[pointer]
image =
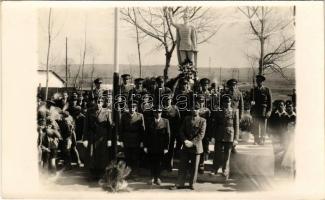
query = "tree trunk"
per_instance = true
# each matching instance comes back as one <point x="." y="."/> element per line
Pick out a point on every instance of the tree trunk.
<point x="167" y="65"/>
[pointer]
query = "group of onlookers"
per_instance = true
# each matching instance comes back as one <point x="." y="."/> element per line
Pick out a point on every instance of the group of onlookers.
<point x="159" y="119"/>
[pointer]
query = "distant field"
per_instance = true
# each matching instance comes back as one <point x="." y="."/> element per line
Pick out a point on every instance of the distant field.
<point x="279" y="86"/>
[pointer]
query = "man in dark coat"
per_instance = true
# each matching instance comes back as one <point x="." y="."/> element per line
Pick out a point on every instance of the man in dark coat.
<point x="160" y="91"/>
<point x="205" y="113"/>
<point x="157" y="136"/>
<point x="136" y="93"/>
<point x="237" y="101"/>
<point x="171" y="113"/>
<point x="131" y="135"/>
<point x="261" y="101"/>
<point x="191" y="133"/>
<point x="225" y="135"/>
<point x="97" y="138"/>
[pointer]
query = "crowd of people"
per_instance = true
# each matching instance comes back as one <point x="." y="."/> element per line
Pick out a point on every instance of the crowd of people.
<point x="160" y="119"/>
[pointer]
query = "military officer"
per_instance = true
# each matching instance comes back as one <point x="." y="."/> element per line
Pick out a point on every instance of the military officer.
<point x="138" y="91"/>
<point x="156" y="143"/>
<point x="160" y="91"/>
<point x="98" y="91"/>
<point x="191" y="133"/>
<point x="171" y="113"/>
<point x="183" y="98"/>
<point x="126" y="86"/>
<point x="205" y="113"/>
<point x="131" y="135"/>
<point x="225" y="135"/>
<point x="97" y="138"/>
<point x="237" y="101"/>
<point x="261" y="107"/>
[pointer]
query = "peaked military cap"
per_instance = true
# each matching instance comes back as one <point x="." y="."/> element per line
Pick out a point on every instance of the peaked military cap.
<point x="138" y="80"/>
<point x="126" y="76"/>
<point x="98" y="81"/>
<point x="232" y="82"/>
<point x="260" y="77"/>
<point x="204" y="81"/>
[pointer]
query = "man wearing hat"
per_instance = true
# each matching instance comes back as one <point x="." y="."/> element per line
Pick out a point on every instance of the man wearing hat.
<point x="131" y="135"/>
<point x="205" y="113"/>
<point x="156" y="143"/>
<point x="183" y="98"/>
<point x="126" y="86"/>
<point x="160" y="91"/>
<point x="237" y="101"/>
<point x="225" y="135"/>
<point x="138" y="91"/>
<point x="191" y="133"/>
<point x="98" y="91"/>
<point x="261" y="107"/>
<point x="171" y="113"/>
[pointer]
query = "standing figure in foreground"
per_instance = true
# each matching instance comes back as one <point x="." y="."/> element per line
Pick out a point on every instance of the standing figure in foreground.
<point x="261" y="101"/>
<point x="97" y="138"/>
<point x="157" y="136"/>
<point x="131" y="135"/>
<point x="191" y="133"/>
<point x="225" y="136"/>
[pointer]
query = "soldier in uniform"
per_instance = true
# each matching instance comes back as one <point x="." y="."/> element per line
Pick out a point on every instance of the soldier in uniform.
<point x="191" y="133"/>
<point x="261" y="101"/>
<point x="225" y="135"/>
<point x="183" y="98"/>
<point x="98" y="91"/>
<point x="205" y="113"/>
<point x="97" y="138"/>
<point x="131" y="135"/>
<point x="156" y="143"/>
<point x="237" y="102"/>
<point x="138" y="91"/>
<point x="160" y="91"/>
<point x="171" y="113"/>
<point x="126" y="86"/>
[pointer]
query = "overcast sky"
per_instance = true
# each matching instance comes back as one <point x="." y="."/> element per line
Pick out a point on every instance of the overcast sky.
<point x="228" y="48"/>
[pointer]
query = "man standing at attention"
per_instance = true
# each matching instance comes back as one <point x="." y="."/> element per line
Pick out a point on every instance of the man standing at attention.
<point x="261" y="101"/>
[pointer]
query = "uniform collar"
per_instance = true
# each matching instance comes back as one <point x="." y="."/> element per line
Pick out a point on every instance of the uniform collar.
<point x="292" y="114"/>
<point x="283" y="113"/>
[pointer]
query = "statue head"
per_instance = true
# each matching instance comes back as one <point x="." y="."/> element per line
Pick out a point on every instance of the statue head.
<point x="186" y="16"/>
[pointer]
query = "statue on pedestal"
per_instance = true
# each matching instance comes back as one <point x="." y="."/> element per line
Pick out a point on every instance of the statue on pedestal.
<point x="186" y="40"/>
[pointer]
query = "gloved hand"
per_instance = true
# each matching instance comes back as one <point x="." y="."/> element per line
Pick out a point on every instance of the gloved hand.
<point x="145" y="150"/>
<point x="165" y="151"/>
<point x="85" y="143"/>
<point x="109" y="143"/>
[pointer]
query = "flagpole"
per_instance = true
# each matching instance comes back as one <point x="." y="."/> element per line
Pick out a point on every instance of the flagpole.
<point x="115" y="111"/>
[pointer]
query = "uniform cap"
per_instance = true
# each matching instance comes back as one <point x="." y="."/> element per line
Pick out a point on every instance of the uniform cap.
<point x="98" y="81"/>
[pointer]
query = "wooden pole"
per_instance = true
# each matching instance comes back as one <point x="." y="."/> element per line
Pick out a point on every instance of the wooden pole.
<point x="48" y="56"/>
<point x="115" y="111"/>
<point x="66" y="63"/>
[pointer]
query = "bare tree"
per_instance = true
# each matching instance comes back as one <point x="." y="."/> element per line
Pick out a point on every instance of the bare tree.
<point x="155" y="23"/>
<point x="138" y="43"/>
<point x="274" y="32"/>
<point x="48" y="54"/>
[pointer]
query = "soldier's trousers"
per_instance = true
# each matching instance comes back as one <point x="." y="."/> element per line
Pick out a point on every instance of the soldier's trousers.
<point x="132" y="157"/>
<point x="205" y="144"/>
<point x="156" y="160"/>
<point x="222" y="152"/>
<point x="188" y="161"/>
<point x="259" y="129"/>
<point x="169" y="158"/>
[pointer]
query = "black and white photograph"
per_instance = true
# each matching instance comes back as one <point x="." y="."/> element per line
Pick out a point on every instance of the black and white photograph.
<point x="175" y="98"/>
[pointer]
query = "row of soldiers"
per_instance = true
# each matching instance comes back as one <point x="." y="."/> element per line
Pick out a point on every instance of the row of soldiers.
<point x="159" y="121"/>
